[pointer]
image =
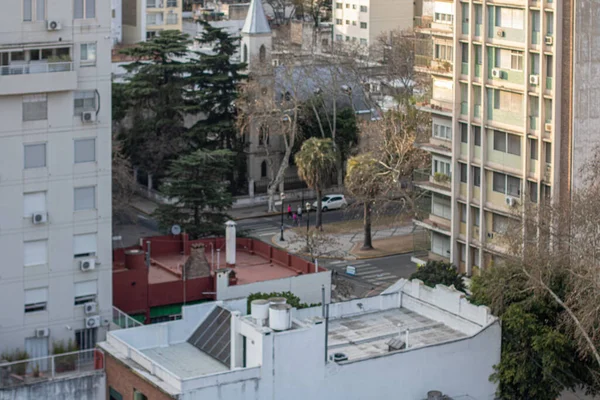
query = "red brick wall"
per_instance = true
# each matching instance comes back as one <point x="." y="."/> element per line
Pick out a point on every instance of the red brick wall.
<point x="122" y="379"/>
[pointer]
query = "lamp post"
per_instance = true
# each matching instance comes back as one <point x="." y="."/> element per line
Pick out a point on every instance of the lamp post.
<point x="307" y="216"/>
<point x="282" y="197"/>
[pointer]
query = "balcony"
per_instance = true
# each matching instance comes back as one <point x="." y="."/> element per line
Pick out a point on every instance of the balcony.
<point x="435" y="145"/>
<point x="45" y="369"/>
<point x="438" y="183"/>
<point x="440" y="107"/>
<point x="34" y="78"/>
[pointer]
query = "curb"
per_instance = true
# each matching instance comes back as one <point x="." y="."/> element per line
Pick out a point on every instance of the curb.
<point x="138" y="209"/>
<point x="256" y="216"/>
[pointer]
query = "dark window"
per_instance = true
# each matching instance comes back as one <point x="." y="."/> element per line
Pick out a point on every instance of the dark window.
<point x="113" y="394"/>
<point x="476" y="176"/>
<point x="514" y="144"/>
<point x="245" y="54"/>
<point x="499" y="182"/>
<point x="463" y="172"/>
<point x="533" y="192"/>
<point x="500" y="141"/>
<point x="533" y="149"/>
<point x="464" y="133"/>
<point x="263" y="169"/>
<point x="262" y="54"/>
<point x="86" y="338"/>
<point x="514" y="186"/>
<point x="548" y="150"/>
<point x="476" y="135"/>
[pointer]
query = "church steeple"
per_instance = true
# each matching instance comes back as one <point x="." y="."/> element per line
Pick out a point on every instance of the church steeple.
<point x="256" y="37"/>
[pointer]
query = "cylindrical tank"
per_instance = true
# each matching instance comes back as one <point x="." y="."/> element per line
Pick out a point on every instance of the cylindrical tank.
<point x="280" y="317"/>
<point x="135" y="259"/>
<point x="278" y="300"/>
<point x="259" y="309"/>
<point x="434" y="395"/>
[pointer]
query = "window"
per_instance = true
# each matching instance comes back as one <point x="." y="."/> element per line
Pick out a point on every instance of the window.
<point x="441" y="167"/>
<point x="84" y="245"/>
<point x="514" y="144"/>
<point x="262" y="54"/>
<point x="84" y="101"/>
<point x="443" y="52"/>
<point x="548" y="152"/>
<point x="84" y="9"/>
<point x="507" y="101"/>
<point x="347" y="5"/>
<point x="440" y="244"/>
<point x="151" y="3"/>
<point x="354" y="6"/>
<point x="172" y="18"/>
<point x="443" y="18"/>
<point x="440" y="206"/>
<point x="34" y="10"/>
<point x="507" y="143"/>
<point x="533" y="149"/>
<point x="35" y="253"/>
<point x="85" y="150"/>
<point x="354" y="23"/>
<point x="113" y="394"/>
<point x="338" y="22"/>
<point x="137" y="395"/>
<point x="516" y="60"/>
<point x="36" y="299"/>
<point x="151" y="34"/>
<point x="509" y="17"/>
<point x="533" y="192"/>
<point x="500" y="141"/>
<point x="339" y="37"/>
<point x="35" y="155"/>
<point x="85" y="198"/>
<point x="442" y="132"/>
<point x="86" y="339"/>
<point x="463" y="172"/>
<point x="87" y="53"/>
<point x="463" y="212"/>
<point x="35" y="107"/>
<point x="549" y="67"/>
<point x="499" y="182"/>
<point x="154" y="18"/>
<point x="464" y="52"/>
<point x="506" y="184"/>
<point x="363" y="8"/>
<point x="347" y="38"/>
<point x="338" y="6"/>
<point x="263" y="169"/>
<point x="546" y="192"/>
<point x="347" y="22"/>
<point x="363" y="42"/>
<point x="476" y="176"/>
<point x="85" y="292"/>
<point x="171" y="3"/>
<point x="34" y="202"/>
<point x="464" y="133"/>
<point x="476" y="135"/>
<point x="549" y="24"/>
<point x="363" y="25"/>
<point x="475" y="212"/>
<point x="499" y="223"/>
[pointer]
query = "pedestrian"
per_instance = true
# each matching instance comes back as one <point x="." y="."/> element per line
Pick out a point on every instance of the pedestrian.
<point x="299" y="213"/>
<point x="289" y="211"/>
<point x="295" y="217"/>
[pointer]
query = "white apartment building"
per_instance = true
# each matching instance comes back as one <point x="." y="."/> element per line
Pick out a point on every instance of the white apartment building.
<point x="55" y="173"/>
<point x="362" y="21"/>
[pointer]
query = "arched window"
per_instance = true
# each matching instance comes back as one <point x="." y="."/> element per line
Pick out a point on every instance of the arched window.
<point x="245" y="54"/>
<point x="262" y="54"/>
<point x="263" y="169"/>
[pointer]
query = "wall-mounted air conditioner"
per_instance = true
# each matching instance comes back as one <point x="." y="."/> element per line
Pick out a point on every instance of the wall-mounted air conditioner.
<point x="549" y="40"/>
<point x="496" y="73"/>
<point x="39" y="218"/>
<point x="87" y="265"/>
<point x="534" y="80"/>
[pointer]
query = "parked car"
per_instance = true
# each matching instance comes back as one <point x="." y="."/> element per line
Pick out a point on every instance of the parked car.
<point x="332" y="202"/>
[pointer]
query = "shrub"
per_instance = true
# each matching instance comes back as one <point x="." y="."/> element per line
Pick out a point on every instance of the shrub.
<point x="291" y="298"/>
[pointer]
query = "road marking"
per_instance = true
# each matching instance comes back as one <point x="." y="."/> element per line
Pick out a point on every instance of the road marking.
<point x="338" y="262"/>
<point x="371" y="276"/>
<point x="268" y="233"/>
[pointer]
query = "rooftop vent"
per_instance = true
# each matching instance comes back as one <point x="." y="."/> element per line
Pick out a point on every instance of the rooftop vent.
<point x="337" y="357"/>
<point x="396" y="344"/>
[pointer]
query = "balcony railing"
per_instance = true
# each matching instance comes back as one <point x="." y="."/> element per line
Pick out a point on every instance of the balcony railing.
<point x="36" y="68"/>
<point x="123" y="320"/>
<point x="34" y="370"/>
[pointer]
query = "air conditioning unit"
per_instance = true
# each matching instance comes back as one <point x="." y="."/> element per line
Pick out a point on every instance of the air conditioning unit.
<point x="534" y="80"/>
<point x="549" y="40"/>
<point x="548" y="127"/>
<point x="39" y="218"/>
<point x="510" y="201"/>
<point x="42" y="332"/>
<point x="496" y="73"/>
<point x="90" y="308"/>
<point x="88" y="117"/>
<point x="87" y="265"/>
<point x="490" y="235"/>
<point x="500" y="33"/>
<point x="92" y="322"/>
<point x="54" y="26"/>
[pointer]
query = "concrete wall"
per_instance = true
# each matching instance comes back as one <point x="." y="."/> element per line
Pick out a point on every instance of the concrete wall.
<point x="88" y="387"/>
<point x="58" y="179"/>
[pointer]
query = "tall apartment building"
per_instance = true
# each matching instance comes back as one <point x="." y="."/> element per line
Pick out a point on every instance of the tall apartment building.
<point x="55" y="174"/>
<point x="507" y="125"/>
<point x="361" y="21"/>
<point x="144" y="19"/>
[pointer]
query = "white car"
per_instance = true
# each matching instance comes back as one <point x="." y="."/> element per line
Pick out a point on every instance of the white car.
<point x="332" y="202"/>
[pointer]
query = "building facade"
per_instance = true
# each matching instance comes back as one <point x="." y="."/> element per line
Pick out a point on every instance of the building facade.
<point x="497" y="140"/>
<point x="55" y="168"/>
<point x="362" y="21"/>
<point x="144" y="19"/>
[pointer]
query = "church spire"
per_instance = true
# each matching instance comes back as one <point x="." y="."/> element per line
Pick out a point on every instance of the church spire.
<point x="256" y="21"/>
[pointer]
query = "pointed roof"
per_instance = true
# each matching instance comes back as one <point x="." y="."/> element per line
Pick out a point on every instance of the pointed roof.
<point x="256" y="21"/>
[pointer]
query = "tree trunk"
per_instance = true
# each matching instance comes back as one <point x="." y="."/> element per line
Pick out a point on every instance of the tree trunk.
<point x="367" y="241"/>
<point x="318" y="224"/>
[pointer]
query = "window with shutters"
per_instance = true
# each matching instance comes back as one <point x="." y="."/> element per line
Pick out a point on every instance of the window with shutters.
<point x="35" y="107"/>
<point x="506" y="184"/>
<point x="35" y="252"/>
<point x="34" y="10"/>
<point x="172" y="19"/>
<point x="499" y="223"/>
<point x="85" y="150"/>
<point x="507" y="143"/>
<point x="441" y="206"/>
<point x="84" y="9"/>
<point x="85" y="100"/>
<point x="510" y="17"/>
<point x="36" y="299"/>
<point x="33" y="203"/>
<point x="35" y="155"/>
<point x="85" y="292"/>
<point x="84" y="245"/>
<point x="85" y="198"/>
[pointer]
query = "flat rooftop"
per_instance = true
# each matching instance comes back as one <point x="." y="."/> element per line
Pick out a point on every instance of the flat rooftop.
<point x="367" y="335"/>
<point x="184" y="360"/>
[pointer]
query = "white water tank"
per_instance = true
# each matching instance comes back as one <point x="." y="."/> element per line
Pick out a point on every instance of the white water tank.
<point x="277" y="300"/>
<point x="280" y="317"/>
<point x="259" y="309"/>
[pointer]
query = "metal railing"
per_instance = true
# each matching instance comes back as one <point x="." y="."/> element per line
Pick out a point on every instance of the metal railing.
<point x="123" y="320"/>
<point x="34" y="370"/>
<point x="36" y="68"/>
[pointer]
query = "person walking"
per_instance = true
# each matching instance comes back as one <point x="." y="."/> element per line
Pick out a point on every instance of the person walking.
<point x="295" y="218"/>
<point x="289" y="211"/>
<point x="299" y="212"/>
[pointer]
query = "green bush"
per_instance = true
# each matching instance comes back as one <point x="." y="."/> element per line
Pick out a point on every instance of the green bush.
<point x="68" y="362"/>
<point x="291" y="298"/>
<point x="435" y="272"/>
<point x="17" y="355"/>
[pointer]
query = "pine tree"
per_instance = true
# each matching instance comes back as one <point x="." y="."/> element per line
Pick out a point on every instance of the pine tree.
<point x="196" y="182"/>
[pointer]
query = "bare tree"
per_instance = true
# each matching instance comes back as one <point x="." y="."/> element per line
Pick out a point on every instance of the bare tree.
<point x="123" y="186"/>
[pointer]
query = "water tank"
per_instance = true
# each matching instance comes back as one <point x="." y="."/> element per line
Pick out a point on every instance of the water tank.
<point x="434" y="395"/>
<point x="278" y="300"/>
<point x="280" y="317"/>
<point x="259" y="309"/>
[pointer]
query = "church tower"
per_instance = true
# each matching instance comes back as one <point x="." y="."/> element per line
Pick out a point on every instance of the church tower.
<point x="256" y="42"/>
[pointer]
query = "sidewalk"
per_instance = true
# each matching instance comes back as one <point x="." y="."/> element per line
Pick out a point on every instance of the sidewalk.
<point x="386" y="242"/>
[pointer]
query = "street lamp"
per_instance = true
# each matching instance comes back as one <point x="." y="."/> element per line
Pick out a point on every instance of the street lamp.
<point x="307" y="216"/>
<point x="282" y="197"/>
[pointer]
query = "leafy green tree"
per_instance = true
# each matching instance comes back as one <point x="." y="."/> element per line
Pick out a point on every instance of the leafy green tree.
<point x="434" y="272"/>
<point x="196" y="184"/>
<point x="154" y="94"/>
<point x="316" y="163"/>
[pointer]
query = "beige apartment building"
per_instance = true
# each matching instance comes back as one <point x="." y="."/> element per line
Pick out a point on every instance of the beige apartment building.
<point x="55" y="174"/>
<point x="144" y="19"/>
<point x="361" y="21"/>
<point x="507" y="125"/>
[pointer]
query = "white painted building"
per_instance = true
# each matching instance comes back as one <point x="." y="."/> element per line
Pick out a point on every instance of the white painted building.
<point x="410" y="340"/>
<point x="55" y="173"/>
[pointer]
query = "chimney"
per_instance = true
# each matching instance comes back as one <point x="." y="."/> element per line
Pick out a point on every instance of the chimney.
<point x="230" y="243"/>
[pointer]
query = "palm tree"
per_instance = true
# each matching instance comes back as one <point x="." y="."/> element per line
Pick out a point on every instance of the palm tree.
<point x="316" y="162"/>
